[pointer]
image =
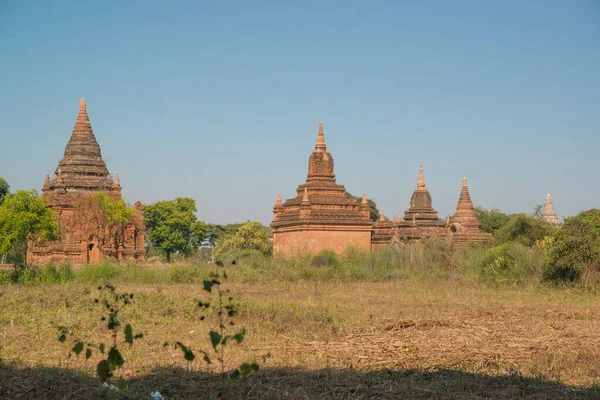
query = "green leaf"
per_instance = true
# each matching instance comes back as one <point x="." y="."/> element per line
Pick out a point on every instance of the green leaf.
<point x="62" y="338"/>
<point x="101" y="347"/>
<point x="78" y="348"/>
<point x="88" y="353"/>
<point x="215" y="339"/>
<point x="187" y="353"/>
<point x="239" y="337"/>
<point x="235" y="374"/>
<point x="139" y="336"/>
<point x="115" y="359"/>
<point x="128" y="334"/>
<point x="208" y="286"/>
<point x="103" y="371"/>
<point x="246" y="368"/>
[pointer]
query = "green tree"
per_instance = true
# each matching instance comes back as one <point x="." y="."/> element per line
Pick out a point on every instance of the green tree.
<point x="537" y="211"/>
<point x="214" y="231"/>
<point x="373" y="210"/>
<point x="249" y="236"/>
<point x="25" y="220"/>
<point x="491" y="220"/>
<point x="4" y="189"/>
<point x="574" y="253"/>
<point x="172" y="227"/>
<point x="525" y="230"/>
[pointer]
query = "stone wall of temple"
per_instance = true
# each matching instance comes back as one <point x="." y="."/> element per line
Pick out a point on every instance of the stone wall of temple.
<point x="290" y="243"/>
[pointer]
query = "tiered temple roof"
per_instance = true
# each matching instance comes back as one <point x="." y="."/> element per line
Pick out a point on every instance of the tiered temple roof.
<point x="420" y="219"/>
<point x="464" y="225"/>
<point x="321" y="200"/>
<point x="548" y="214"/>
<point x="82" y="167"/>
<point x="420" y="203"/>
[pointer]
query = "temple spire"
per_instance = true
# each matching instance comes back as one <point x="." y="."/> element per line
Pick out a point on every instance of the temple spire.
<point x="320" y="138"/>
<point x="47" y="181"/>
<point x="464" y="201"/>
<point x="82" y="124"/>
<point x="421" y="180"/>
<point x="381" y="216"/>
<point x="364" y="198"/>
<point x="548" y="214"/>
<point x="117" y="181"/>
<point x="278" y="201"/>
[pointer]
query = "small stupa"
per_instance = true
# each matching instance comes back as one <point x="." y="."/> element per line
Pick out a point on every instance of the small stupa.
<point x="549" y="215"/>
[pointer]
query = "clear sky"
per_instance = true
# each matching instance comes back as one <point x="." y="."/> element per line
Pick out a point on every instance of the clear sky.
<point x="220" y="101"/>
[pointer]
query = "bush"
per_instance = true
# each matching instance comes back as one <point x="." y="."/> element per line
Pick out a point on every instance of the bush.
<point x="525" y="230"/>
<point x="325" y="258"/>
<point x="574" y="254"/>
<point x="511" y="263"/>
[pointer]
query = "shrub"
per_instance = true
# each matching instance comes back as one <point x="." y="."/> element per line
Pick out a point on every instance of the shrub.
<point x="325" y="258"/>
<point x="525" y="230"/>
<point x="574" y="254"/>
<point x="511" y="263"/>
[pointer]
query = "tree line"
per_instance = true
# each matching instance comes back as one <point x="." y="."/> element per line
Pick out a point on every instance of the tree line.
<point x="571" y="251"/>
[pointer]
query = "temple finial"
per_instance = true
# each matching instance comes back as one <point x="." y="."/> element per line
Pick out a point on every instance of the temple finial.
<point x="47" y="181"/>
<point x="305" y="197"/>
<point x="464" y="182"/>
<point x="364" y="198"/>
<point x="117" y="181"/>
<point x="82" y="105"/>
<point x="421" y="180"/>
<point x="321" y="137"/>
<point x="278" y="201"/>
<point x="381" y="216"/>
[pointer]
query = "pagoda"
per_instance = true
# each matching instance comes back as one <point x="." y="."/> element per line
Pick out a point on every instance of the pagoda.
<point x="81" y="172"/>
<point x="548" y="214"/>
<point x="464" y="226"/>
<point x="420" y="219"/>
<point x="320" y="216"/>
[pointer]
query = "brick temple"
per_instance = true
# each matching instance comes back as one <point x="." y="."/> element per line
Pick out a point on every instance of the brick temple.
<point x="82" y="172"/>
<point x="321" y="217"/>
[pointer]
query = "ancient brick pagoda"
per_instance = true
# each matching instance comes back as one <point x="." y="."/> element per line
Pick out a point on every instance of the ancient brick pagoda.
<point x="81" y="172"/>
<point x="464" y="226"/>
<point x="548" y="214"/>
<point x="421" y="221"/>
<point x="320" y="217"/>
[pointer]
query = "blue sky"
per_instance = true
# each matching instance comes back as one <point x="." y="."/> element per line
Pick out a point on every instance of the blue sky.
<point x="220" y="101"/>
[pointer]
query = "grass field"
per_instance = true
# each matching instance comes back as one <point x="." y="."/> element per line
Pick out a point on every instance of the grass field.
<point x="399" y="337"/>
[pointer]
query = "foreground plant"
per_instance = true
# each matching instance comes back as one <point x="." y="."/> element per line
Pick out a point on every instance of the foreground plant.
<point x="112" y="304"/>
<point x="223" y="309"/>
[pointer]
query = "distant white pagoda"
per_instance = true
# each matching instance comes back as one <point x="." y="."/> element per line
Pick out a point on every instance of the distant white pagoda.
<point x="549" y="215"/>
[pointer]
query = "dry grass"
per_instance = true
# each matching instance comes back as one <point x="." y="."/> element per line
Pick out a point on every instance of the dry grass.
<point x="402" y="339"/>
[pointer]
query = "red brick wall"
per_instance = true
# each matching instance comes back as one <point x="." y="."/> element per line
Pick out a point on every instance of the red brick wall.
<point x="292" y="243"/>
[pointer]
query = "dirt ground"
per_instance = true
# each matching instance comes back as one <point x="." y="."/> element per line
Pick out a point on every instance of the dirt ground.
<point x="403" y="339"/>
